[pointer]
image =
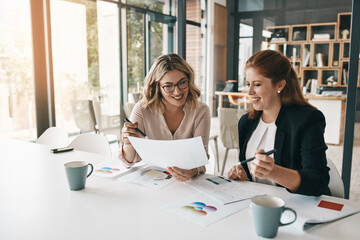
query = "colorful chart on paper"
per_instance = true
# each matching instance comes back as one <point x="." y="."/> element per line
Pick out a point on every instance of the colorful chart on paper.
<point x="203" y="210"/>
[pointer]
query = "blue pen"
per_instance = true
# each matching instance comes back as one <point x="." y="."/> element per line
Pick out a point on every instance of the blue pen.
<point x="137" y="129"/>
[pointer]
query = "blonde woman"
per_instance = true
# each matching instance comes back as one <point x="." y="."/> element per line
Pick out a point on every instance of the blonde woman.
<point x="170" y="110"/>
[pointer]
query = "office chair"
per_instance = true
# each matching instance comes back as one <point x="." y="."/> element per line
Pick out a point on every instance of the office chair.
<point x="229" y="118"/>
<point x="54" y="137"/>
<point x="90" y="142"/>
<point x="336" y="184"/>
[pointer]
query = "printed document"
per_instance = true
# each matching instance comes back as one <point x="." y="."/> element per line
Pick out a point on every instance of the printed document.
<point x="185" y="153"/>
<point x="203" y="210"/>
<point x="150" y="176"/>
<point x="223" y="190"/>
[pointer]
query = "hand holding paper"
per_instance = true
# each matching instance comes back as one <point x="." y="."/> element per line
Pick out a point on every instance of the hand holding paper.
<point x="184" y="153"/>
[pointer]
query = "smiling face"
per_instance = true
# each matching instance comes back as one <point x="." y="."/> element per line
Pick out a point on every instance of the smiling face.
<point x="178" y="97"/>
<point x="263" y="93"/>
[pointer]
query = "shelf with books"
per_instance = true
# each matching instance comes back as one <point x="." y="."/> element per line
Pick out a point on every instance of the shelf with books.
<point x="343" y="28"/>
<point x="306" y="55"/>
<point x="292" y="51"/>
<point x="278" y="34"/>
<point x="321" y="51"/>
<point x="321" y="54"/>
<point x="322" y="31"/>
<point x="329" y="77"/>
<point x="299" y="32"/>
<point x="344" y="73"/>
<point x="309" y="76"/>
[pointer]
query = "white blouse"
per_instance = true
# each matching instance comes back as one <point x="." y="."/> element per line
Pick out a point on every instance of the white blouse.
<point x="262" y="138"/>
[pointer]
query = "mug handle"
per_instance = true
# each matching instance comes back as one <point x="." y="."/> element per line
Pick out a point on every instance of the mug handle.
<point x="295" y="216"/>
<point x="92" y="168"/>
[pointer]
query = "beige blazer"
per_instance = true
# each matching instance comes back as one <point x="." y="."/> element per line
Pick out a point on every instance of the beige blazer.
<point x="195" y="123"/>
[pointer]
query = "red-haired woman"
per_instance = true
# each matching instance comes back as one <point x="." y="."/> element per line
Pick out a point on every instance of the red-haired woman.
<point x="281" y="118"/>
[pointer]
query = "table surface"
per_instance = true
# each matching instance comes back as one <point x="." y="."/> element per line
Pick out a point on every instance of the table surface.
<point x="36" y="203"/>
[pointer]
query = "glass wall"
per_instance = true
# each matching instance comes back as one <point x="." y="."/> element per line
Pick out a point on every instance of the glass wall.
<point x="99" y="50"/>
<point x="87" y="53"/>
<point x="136" y="47"/>
<point x="17" y="101"/>
<point x="73" y="69"/>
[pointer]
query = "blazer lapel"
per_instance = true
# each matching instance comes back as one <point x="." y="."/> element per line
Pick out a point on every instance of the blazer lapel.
<point x="279" y="143"/>
<point x="280" y="135"/>
<point x="243" y="148"/>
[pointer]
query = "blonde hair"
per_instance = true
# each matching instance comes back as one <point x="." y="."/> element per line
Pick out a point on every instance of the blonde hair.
<point x="152" y="95"/>
<point x="276" y="66"/>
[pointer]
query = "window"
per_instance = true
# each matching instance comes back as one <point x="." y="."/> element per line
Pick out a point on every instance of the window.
<point x="17" y="101"/>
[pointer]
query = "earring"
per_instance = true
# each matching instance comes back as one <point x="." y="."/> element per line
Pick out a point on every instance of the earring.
<point x="278" y="91"/>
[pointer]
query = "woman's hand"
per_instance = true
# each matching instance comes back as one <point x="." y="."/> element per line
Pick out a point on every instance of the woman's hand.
<point x="237" y="172"/>
<point x="129" y="129"/>
<point x="182" y="175"/>
<point x="262" y="166"/>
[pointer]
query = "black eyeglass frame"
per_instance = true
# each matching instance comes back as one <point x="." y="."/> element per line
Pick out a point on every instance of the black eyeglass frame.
<point x="187" y="82"/>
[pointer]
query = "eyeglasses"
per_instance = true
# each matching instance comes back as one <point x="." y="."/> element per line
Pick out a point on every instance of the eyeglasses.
<point x="183" y="84"/>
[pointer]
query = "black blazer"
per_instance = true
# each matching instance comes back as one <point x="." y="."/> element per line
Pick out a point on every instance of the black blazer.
<point x="300" y="146"/>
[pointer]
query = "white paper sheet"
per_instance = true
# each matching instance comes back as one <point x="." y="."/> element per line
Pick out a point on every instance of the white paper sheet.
<point x="185" y="153"/>
<point x="150" y="176"/>
<point x="221" y="189"/>
<point x="203" y="210"/>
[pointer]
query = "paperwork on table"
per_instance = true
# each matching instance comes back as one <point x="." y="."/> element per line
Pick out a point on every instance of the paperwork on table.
<point x="224" y="190"/>
<point x="185" y="153"/>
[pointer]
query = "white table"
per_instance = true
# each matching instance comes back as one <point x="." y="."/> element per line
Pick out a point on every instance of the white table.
<point x="36" y="203"/>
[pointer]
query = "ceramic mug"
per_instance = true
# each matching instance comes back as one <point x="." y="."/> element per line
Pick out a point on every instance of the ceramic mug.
<point x="77" y="173"/>
<point x="267" y="211"/>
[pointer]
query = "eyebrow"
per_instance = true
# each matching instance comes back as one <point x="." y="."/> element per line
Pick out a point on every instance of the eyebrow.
<point x="256" y="81"/>
<point x="176" y="82"/>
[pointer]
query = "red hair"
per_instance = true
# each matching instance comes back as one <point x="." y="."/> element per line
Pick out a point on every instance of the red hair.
<point x="274" y="65"/>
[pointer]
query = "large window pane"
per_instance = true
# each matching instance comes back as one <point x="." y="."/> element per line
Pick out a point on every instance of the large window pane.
<point x="135" y="50"/>
<point x="17" y="106"/>
<point x="109" y="58"/>
<point x="158" y="40"/>
<point x="86" y="60"/>
<point x="72" y="66"/>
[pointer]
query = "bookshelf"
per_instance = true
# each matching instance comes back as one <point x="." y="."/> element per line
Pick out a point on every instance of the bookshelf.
<point x="318" y="51"/>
